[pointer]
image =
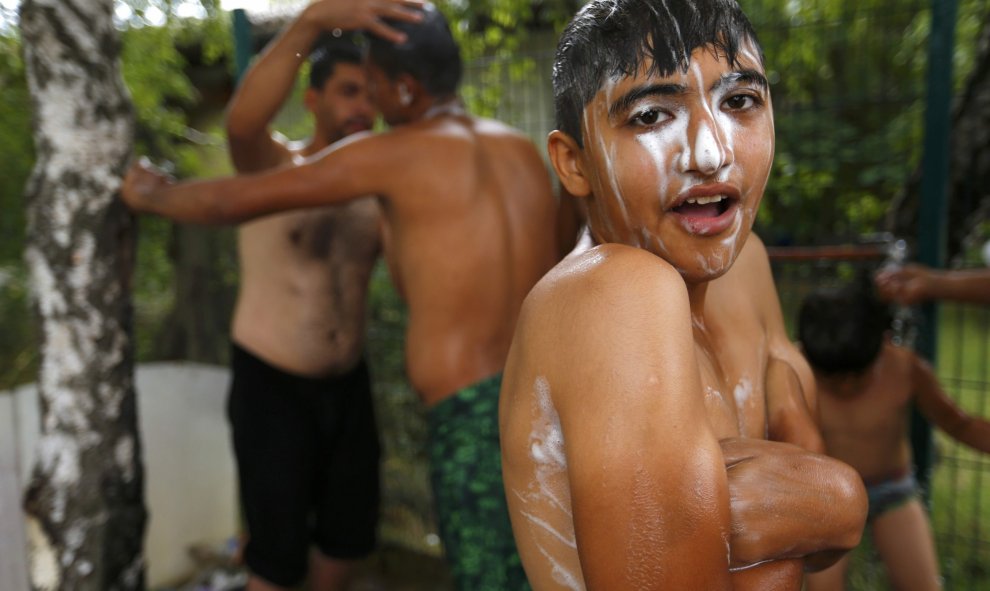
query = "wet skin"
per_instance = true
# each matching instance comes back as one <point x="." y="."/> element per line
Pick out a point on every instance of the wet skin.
<point x="645" y="375"/>
<point x="304" y="274"/>
<point x="652" y="144"/>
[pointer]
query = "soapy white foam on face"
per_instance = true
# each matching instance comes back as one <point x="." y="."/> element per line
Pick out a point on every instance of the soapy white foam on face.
<point x="608" y="154"/>
<point x="658" y="142"/>
<point x="709" y="151"/>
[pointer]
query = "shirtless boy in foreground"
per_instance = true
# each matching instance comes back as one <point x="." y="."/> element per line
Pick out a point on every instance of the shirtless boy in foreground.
<point x="647" y="373"/>
<point x="867" y="386"/>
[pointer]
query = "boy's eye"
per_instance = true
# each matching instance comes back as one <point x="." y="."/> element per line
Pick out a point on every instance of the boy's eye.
<point x="648" y="117"/>
<point x="740" y="102"/>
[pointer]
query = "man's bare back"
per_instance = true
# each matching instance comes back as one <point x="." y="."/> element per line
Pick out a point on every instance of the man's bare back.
<point x="470" y="222"/>
<point x="466" y="244"/>
<point x="470" y="217"/>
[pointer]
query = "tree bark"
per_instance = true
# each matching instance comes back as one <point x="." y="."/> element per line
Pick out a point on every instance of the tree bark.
<point x="198" y="326"/>
<point x="85" y="507"/>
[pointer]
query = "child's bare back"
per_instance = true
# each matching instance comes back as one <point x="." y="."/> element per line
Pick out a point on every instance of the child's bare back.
<point x="865" y="417"/>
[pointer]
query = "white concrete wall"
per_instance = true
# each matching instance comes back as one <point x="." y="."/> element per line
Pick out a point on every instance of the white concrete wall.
<point x="190" y="480"/>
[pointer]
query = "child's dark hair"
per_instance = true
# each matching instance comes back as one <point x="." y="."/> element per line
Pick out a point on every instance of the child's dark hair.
<point x="429" y="54"/>
<point x="841" y="329"/>
<point x="609" y="38"/>
<point x="329" y="50"/>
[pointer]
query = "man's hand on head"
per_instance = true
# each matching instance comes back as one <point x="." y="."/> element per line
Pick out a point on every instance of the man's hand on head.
<point x="142" y="179"/>
<point x="366" y="15"/>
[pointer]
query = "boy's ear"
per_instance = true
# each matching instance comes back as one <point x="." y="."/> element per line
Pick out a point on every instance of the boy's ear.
<point x="565" y="155"/>
<point x="408" y="87"/>
<point x="309" y="98"/>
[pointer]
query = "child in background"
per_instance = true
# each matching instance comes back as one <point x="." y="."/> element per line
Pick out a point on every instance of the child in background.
<point x="865" y="389"/>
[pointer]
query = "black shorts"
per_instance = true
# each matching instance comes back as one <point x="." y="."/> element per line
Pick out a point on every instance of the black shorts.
<point x="307" y="458"/>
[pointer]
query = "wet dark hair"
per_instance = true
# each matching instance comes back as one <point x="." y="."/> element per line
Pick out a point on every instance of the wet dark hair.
<point x="842" y="328"/>
<point x="429" y="54"/>
<point x="327" y="51"/>
<point x="609" y="38"/>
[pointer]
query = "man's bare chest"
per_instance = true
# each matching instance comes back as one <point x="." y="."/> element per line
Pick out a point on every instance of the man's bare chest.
<point x="335" y="234"/>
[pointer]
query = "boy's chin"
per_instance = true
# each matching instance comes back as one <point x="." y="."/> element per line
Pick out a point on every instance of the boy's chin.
<point x="695" y="274"/>
<point x="701" y="268"/>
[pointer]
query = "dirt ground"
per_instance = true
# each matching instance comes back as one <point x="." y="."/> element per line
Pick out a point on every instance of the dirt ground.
<point x="391" y="568"/>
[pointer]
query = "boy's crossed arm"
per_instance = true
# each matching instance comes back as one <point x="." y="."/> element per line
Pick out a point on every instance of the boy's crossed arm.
<point x="658" y="501"/>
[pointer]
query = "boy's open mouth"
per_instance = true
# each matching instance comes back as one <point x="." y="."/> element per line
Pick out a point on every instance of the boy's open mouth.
<point x="704" y="207"/>
<point x="707" y="210"/>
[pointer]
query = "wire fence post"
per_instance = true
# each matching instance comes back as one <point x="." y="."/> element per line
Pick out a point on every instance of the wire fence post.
<point x="243" y="47"/>
<point x="933" y="210"/>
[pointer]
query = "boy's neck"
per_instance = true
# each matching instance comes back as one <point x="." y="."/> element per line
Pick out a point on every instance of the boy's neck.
<point x="696" y="298"/>
<point x="843" y="385"/>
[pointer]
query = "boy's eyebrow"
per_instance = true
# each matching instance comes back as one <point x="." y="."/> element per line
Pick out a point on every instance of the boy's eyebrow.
<point x="742" y="77"/>
<point x="747" y="76"/>
<point x="624" y="101"/>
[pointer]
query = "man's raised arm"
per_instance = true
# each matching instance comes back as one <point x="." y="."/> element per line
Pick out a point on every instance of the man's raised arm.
<point x="265" y="87"/>
<point x="914" y="284"/>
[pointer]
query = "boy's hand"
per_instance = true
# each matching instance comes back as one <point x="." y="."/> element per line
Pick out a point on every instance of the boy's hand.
<point x="789" y="503"/>
<point x="907" y="286"/>
<point x="364" y="14"/>
<point x="142" y="179"/>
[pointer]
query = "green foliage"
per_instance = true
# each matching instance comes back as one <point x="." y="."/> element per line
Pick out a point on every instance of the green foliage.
<point x="493" y="32"/>
<point x="849" y="89"/>
<point x="16" y="148"/>
<point x="153" y="68"/>
<point x="18" y="349"/>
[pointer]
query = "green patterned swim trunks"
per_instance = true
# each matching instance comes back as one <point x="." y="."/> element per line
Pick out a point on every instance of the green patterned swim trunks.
<point x="466" y="473"/>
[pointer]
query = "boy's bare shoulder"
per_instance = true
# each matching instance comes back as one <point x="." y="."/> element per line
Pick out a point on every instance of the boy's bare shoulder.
<point x="607" y="268"/>
<point x="606" y="283"/>
<point x="901" y="358"/>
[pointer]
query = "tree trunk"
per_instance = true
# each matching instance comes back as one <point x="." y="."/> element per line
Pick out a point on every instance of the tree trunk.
<point x="198" y="326"/>
<point x="86" y="514"/>
<point x="969" y="176"/>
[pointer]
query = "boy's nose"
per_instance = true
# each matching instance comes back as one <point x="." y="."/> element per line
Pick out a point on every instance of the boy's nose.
<point x="709" y="151"/>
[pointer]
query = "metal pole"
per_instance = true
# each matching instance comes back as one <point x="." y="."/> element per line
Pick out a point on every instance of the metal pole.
<point x="243" y="48"/>
<point x="933" y="210"/>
